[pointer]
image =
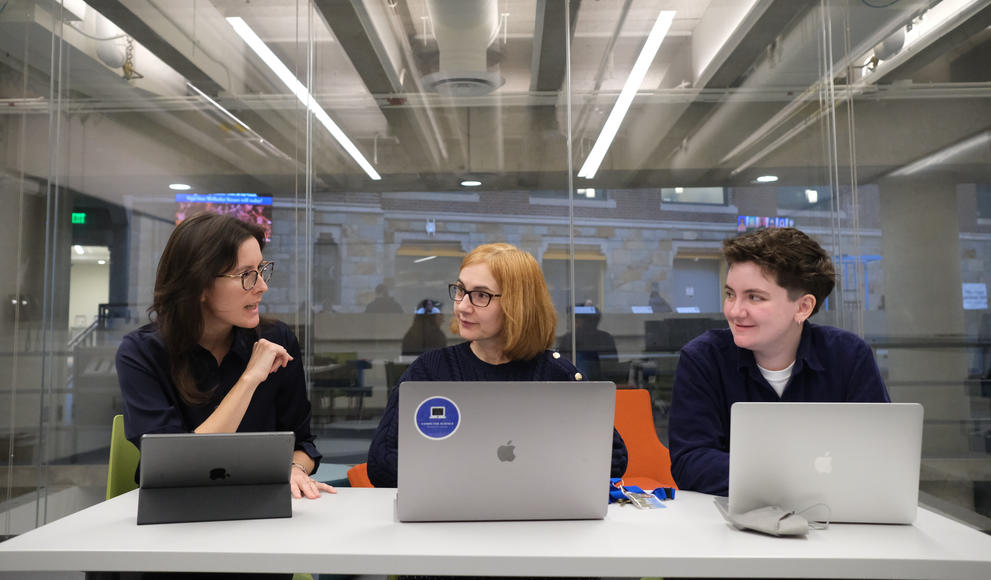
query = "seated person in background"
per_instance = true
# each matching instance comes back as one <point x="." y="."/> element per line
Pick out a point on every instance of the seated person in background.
<point x="657" y="302"/>
<point x="383" y="303"/>
<point x="592" y="345"/>
<point x="504" y="312"/>
<point x="208" y="363"/>
<point x="777" y="279"/>
<point x="425" y="333"/>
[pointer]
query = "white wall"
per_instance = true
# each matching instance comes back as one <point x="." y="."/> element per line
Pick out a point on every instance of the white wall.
<point x="89" y="286"/>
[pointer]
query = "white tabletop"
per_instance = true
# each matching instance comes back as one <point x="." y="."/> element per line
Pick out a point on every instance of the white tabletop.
<point x="355" y="532"/>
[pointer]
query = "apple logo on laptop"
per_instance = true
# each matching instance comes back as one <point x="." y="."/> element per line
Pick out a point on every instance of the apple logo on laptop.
<point x="218" y="473"/>
<point x="506" y="452"/>
<point x="824" y="463"/>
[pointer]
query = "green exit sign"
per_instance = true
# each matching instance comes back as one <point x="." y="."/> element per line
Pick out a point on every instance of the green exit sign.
<point x="78" y="217"/>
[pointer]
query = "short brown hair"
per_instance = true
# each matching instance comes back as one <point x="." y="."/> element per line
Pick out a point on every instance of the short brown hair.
<point x="529" y="319"/>
<point x="797" y="262"/>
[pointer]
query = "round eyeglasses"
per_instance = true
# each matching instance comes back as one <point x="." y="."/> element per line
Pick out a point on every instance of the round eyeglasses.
<point x="250" y="278"/>
<point x="479" y="298"/>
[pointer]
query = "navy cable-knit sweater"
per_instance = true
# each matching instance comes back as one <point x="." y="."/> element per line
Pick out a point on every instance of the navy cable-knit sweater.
<point x="459" y="363"/>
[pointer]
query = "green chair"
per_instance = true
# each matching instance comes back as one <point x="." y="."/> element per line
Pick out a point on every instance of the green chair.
<point x="123" y="464"/>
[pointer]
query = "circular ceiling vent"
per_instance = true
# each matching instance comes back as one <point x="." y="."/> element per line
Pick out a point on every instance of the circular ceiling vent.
<point x="463" y="83"/>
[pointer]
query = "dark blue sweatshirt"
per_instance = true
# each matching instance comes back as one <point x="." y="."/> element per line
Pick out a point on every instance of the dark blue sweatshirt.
<point x="831" y="365"/>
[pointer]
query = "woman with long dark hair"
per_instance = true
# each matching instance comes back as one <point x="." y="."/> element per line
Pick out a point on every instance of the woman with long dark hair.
<point x="208" y="362"/>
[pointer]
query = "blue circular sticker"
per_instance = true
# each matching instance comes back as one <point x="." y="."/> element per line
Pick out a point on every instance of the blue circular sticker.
<point x="437" y="418"/>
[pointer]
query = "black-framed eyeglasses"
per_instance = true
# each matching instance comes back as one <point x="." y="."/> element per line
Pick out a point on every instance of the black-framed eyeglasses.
<point x="479" y="298"/>
<point x="250" y="278"/>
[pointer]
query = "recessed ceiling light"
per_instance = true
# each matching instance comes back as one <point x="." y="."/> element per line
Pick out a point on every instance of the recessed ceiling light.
<point x="471" y="183"/>
<point x="78" y="249"/>
<point x="766" y="179"/>
<point x="179" y="186"/>
<point x="101" y="262"/>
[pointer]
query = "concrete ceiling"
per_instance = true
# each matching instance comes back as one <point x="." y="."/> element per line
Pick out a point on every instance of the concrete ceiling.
<point x="737" y="88"/>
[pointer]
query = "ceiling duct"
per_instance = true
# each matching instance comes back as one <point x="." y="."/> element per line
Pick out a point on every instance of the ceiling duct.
<point x="464" y="29"/>
<point x="890" y="46"/>
<point x="111" y="45"/>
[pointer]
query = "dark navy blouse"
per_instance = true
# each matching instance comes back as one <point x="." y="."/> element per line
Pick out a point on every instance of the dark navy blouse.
<point x="152" y="403"/>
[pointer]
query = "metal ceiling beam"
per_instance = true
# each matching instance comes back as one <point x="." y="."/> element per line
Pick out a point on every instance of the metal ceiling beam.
<point x="956" y="43"/>
<point x="549" y="55"/>
<point x="346" y="22"/>
<point x="135" y="27"/>
<point x="729" y="74"/>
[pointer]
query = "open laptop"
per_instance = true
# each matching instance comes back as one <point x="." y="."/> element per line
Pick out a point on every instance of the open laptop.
<point x="189" y="477"/>
<point x="504" y="450"/>
<point x="861" y="460"/>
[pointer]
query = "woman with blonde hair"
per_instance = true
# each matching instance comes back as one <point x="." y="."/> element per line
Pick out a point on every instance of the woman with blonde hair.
<point x="504" y="312"/>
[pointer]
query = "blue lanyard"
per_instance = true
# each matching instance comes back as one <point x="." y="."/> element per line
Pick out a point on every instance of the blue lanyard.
<point x="618" y="491"/>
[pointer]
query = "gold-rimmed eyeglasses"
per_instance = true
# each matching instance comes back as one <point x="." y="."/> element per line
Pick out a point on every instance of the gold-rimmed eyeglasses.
<point x="250" y="278"/>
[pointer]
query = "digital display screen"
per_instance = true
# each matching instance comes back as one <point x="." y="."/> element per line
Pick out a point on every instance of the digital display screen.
<point x="745" y="223"/>
<point x="247" y="207"/>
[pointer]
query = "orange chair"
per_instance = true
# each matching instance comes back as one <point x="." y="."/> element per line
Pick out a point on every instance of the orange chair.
<point x="649" y="460"/>
<point x="358" y="476"/>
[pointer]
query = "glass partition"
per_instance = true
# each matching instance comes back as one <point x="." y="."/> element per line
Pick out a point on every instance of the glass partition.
<point x="618" y="141"/>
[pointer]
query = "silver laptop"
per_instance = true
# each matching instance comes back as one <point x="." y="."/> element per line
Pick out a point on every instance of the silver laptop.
<point x="504" y="450"/>
<point x="187" y="477"/>
<point x="848" y="462"/>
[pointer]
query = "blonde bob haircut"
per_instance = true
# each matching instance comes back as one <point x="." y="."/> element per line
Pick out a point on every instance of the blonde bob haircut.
<point x="529" y="319"/>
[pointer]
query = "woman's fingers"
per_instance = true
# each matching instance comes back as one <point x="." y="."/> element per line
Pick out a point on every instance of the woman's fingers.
<point x="305" y="486"/>
<point x="267" y="357"/>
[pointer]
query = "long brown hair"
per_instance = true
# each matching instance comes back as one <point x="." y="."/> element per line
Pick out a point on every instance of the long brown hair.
<point x="529" y="319"/>
<point x="200" y="248"/>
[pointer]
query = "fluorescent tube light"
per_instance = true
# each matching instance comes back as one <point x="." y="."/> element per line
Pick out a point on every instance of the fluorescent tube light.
<point x="179" y="186"/>
<point x="943" y="155"/>
<point x="218" y="105"/>
<point x="297" y="88"/>
<point x="255" y="141"/>
<point x="630" y="88"/>
<point x="766" y="179"/>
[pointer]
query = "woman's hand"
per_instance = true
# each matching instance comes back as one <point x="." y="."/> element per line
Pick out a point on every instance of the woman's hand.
<point x="266" y="358"/>
<point x="302" y="485"/>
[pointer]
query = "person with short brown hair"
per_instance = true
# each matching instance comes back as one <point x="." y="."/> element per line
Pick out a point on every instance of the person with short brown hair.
<point x="777" y="279"/>
<point x="798" y="262"/>
<point x="504" y="312"/>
